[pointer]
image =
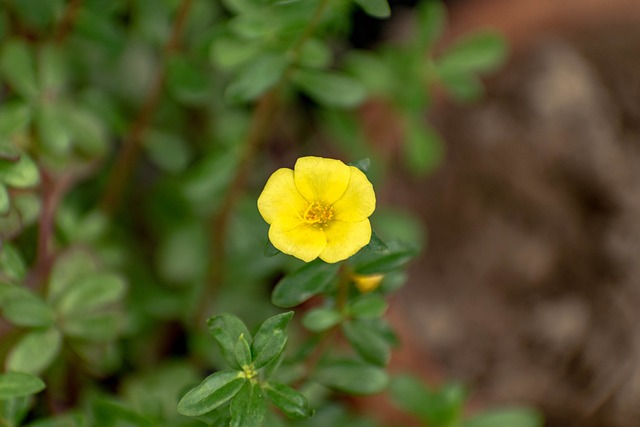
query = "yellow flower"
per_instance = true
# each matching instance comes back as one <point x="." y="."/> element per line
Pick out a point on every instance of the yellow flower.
<point x="318" y="209"/>
<point x="367" y="283"/>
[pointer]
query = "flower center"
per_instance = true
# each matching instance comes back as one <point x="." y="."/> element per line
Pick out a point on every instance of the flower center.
<point x="318" y="214"/>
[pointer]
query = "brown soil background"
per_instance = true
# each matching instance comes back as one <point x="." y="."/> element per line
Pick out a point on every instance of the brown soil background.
<point x="529" y="288"/>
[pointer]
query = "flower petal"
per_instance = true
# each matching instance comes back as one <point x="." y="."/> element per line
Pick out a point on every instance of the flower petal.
<point x="344" y="239"/>
<point x="303" y="241"/>
<point x="359" y="201"/>
<point x="321" y="180"/>
<point x="280" y="197"/>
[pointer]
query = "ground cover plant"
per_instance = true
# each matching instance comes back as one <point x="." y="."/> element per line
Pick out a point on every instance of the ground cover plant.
<point x="177" y="247"/>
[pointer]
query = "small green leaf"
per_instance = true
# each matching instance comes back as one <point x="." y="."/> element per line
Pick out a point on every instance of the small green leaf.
<point x="376" y="244"/>
<point x="91" y="293"/>
<point x="256" y="77"/>
<point x="13" y="411"/>
<point x="330" y="89"/>
<point x="375" y="8"/>
<point x="17" y="65"/>
<point x="362" y="164"/>
<point x="51" y="68"/>
<point x="310" y="280"/>
<point x="35" y="351"/>
<point x="8" y="151"/>
<point x="383" y="263"/>
<point x="270" y="250"/>
<point x="476" y="53"/>
<point x="321" y="319"/>
<point x="230" y="52"/>
<point x="291" y="403"/>
<point x="25" y="309"/>
<point x="53" y="132"/>
<point x="215" y="390"/>
<point x="368" y="307"/>
<point x="186" y="81"/>
<point x="439" y="408"/>
<point x="367" y="342"/>
<point x="248" y="407"/>
<point x="270" y="339"/>
<point x="70" y="266"/>
<point x="14" y="118"/>
<point x="19" y="384"/>
<point x="227" y="329"/>
<point x="353" y="377"/>
<point x="423" y="149"/>
<point x="99" y="327"/>
<point x="11" y="262"/>
<point x="432" y="17"/>
<point x="5" y="201"/>
<point x="315" y="54"/>
<point x="21" y="174"/>
<point x="243" y="352"/>
<point x="512" y="417"/>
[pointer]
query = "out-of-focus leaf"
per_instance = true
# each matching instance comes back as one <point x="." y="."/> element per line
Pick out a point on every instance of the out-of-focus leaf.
<point x="12" y="264"/>
<point x="375" y="8"/>
<point x="308" y="281"/>
<point x="230" y="52"/>
<point x="476" y="53"/>
<point x="432" y="17"/>
<point x="35" y="351"/>
<point x="367" y="342"/>
<point x="330" y="89"/>
<point x="256" y="77"/>
<point x="19" y="384"/>
<point x="18" y="67"/>
<point x="368" y="307"/>
<point x="371" y="71"/>
<point x="5" y="201"/>
<point x="315" y="54"/>
<point x="462" y="86"/>
<point x="91" y="293"/>
<point x="168" y="151"/>
<point x="22" y="308"/>
<point x="51" y="68"/>
<point x="182" y="255"/>
<point x="187" y="83"/>
<point x="215" y="390"/>
<point x="53" y="132"/>
<point x="21" y="174"/>
<point x="70" y="266"/>
<point x="99" y="327"/>
<point x="352" y="377"/>
<point x="14" y="118"/>
<point x="508" y="417"/>
<point x="382" y="263"/>
<point x="423" y="148"/>
<point x="321" y="319"/>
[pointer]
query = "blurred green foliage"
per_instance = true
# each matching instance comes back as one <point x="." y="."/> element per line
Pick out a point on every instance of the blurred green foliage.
<point x="134" y="137"/>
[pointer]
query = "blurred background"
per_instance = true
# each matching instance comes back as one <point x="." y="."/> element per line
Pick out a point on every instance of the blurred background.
<point x="529" y="286"/>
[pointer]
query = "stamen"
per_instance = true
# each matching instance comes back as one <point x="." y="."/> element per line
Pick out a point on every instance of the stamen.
<point x="318" y="214"/>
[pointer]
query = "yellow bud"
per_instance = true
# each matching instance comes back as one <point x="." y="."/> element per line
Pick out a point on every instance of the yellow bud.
<point x="367" y="283"/>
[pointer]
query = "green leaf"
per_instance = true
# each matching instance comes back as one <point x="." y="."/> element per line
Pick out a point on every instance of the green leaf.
<point x="100" y="327"/>
<point x="21" y="174"/>
<point x="423" y="149"/>
<point x="35" y="351"/>
<point x="376" y="244"/>
<point x="243" y="352"/>
<point x="19" y="384"/>
<point x="270" y="339"/>
<point x="383" y="263"/>
<point x="5" y="201"/>
<point x="230" y="52"/>
<point x="183" y="254"/>
<point x="51" y="68"/>
<point x="215" y="390"/>
<point x="70" y="266"/>
<point x="375" y="8"/>
<point x="13" y="411"/>
<point x="12" y="264"/>
<point x="22" y="308"/>
<point x="330" y="89"/>
<point x="270" y="250"/>
<point x="14" y="117"/>
<point x="87" y="130"/>
<point x="53" y="132"/>
<point x="291" y="403"/>
<point x="511" y="417"/>
<point x="310" y="280"/>
<point x="462" y="86"/>
<point x="8" y="151"/>
<point x="375" y="74"/>
<point x="227" y="329"/>
<point x="353" y="377"/>
<point x="362" y="164"/>
<point x="18" y="67"/>
<point x="321" y="319"/>
<point x="368" y="307"/>
<point x="315" y="54"/>
<point x="367" y="342"/>
<point x="91" y="293"/>
<point x="186" y="81"/>
<point x="256" y="77"/>
<point x="248" y="407"/>
<point x="439" y="408"/>
<point x="479" y="52"/>
<point x="432" y="17"/>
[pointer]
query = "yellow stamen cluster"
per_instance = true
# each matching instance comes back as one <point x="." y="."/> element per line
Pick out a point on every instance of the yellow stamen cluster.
<point x="318" y="214"/>
<point x="249" y="372"/>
